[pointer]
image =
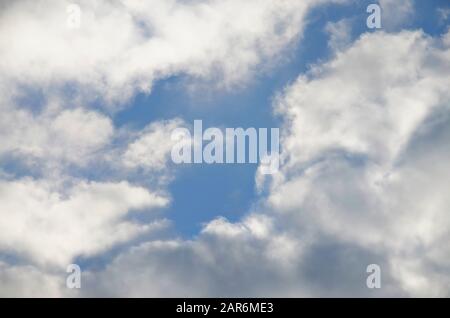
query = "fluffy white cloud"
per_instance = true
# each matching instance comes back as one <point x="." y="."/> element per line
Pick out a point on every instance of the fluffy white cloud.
<point x="123" y="46"/>
<point x="372" y="98"/>
<point x="363" y="163"/>
<point x="225" y="260"/>
<point x="28" y="281"/>
<point x="151" y="149"/>
<point x="55" y="136"/>
<point x="50" y="226"/>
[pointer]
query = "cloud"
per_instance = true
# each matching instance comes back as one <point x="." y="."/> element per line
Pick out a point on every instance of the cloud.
<point x="55" y="136"/>
<point x="355" y="169"/>
<point x="151" y="149"/>
<point x="225" y="260"/>
<point x="28" y="281"/>
<point x="209" y="39"/>
<point x="48" y="224"/>
<point x="385" y="86"/>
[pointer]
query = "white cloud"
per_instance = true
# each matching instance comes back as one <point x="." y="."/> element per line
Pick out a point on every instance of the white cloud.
<point x="50" y="226"/>
<point x="55" y="136"/>
<point x="123" y="46"/>
<point x="383" y="88"/>
<point x="355" y="169"/>
<point x="225" y="260"/>
<point x="28" y="281"/>
<point x="151" y="149"/>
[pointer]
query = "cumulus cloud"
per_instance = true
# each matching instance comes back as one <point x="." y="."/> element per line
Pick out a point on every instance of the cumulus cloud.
<point x="28" y="281"/>
<point x="151" y="149"/>
<point x="228" y="259"/>
<point x="121" y="47"/>
<point x="350" y="170"/>
<point x="385" y="86"/>
<point x="50" y="226"/>
<point x="54" y="136"/>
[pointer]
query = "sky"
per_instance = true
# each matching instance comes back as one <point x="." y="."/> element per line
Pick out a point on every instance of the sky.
<point x="86" y="175"/>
